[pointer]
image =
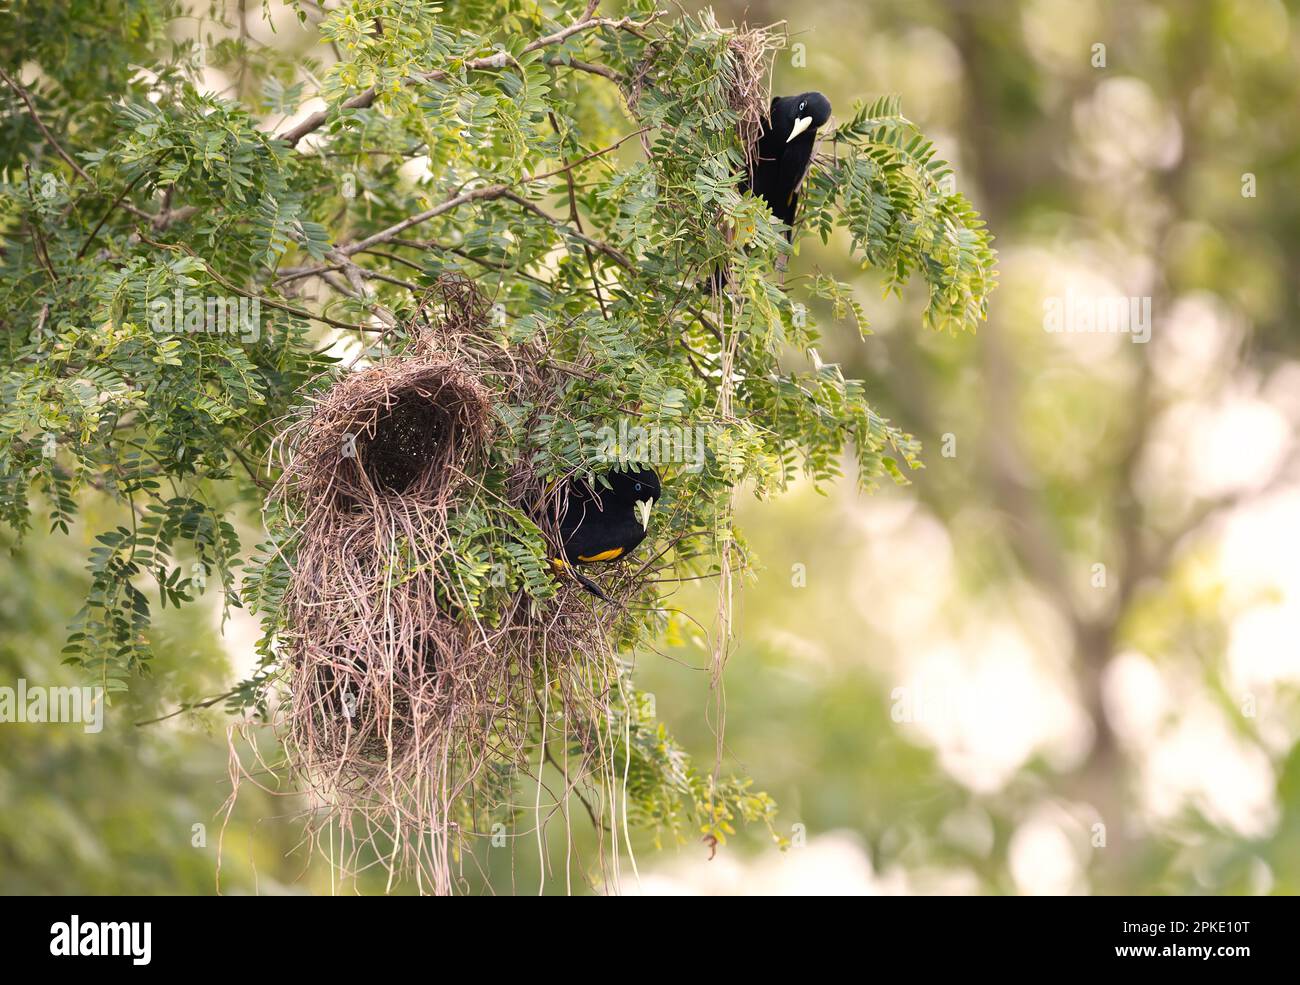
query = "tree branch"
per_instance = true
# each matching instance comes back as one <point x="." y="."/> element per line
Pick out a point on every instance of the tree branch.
<point x="486" y="193"/>
<point x="26" y="97"/>
<point x="495" y="61"/>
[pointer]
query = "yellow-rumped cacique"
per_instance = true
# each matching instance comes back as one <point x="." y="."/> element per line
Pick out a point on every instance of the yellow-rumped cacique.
<point x="783" y="156"/>
<point x="785" y="151"/>
<point x="602" y="525"/>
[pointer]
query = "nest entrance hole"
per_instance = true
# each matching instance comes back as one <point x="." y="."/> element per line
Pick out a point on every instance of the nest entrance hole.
<point x="409" y="440"/>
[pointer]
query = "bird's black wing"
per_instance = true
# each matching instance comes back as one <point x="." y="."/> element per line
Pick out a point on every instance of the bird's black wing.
<point x="794" y="166"/>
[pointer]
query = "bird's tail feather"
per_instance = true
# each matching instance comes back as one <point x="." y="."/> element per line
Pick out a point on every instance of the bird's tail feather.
<point x="590" y="585"/>
<point x="560" y="565"/>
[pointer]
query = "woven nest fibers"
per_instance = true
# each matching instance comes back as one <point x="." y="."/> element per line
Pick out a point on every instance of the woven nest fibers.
<point x="400" y="431"/>
<point x="402" y="698"/>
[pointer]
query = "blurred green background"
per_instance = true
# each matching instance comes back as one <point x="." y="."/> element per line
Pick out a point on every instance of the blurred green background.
<point x="1063" y="660"/>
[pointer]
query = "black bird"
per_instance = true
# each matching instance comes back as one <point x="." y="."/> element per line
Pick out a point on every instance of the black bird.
<point x="783" y="155"/>
<point x="602" y="525"/>
<point x="785" y="151"/>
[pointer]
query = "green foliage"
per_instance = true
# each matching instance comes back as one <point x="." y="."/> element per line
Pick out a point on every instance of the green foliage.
<point x="666" y="792"/>
<point x="888" y="191"/>
<point x="589" y="248"/>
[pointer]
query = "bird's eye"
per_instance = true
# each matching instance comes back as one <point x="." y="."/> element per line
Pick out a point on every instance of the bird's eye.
<point x="638" y="487"/>
<point x="802" y="107"/>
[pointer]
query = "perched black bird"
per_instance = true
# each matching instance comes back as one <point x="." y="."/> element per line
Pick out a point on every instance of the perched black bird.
<point x="602" y="525"/>
<point x="785" y="151"/>
<point x="782" y="157"/>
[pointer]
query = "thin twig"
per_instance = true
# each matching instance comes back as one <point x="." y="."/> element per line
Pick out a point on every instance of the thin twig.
<point x="108" y="212"/>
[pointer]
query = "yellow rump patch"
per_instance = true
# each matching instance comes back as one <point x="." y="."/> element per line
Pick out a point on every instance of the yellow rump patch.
<point x="609" y="555"/>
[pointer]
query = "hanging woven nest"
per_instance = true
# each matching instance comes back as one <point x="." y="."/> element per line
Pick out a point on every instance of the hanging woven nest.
<point x="399" y="699"/>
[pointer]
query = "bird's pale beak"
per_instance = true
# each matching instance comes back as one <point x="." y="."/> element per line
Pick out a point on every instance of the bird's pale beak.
<point x="643" y="508"/>
<point x="800" y="125"/>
